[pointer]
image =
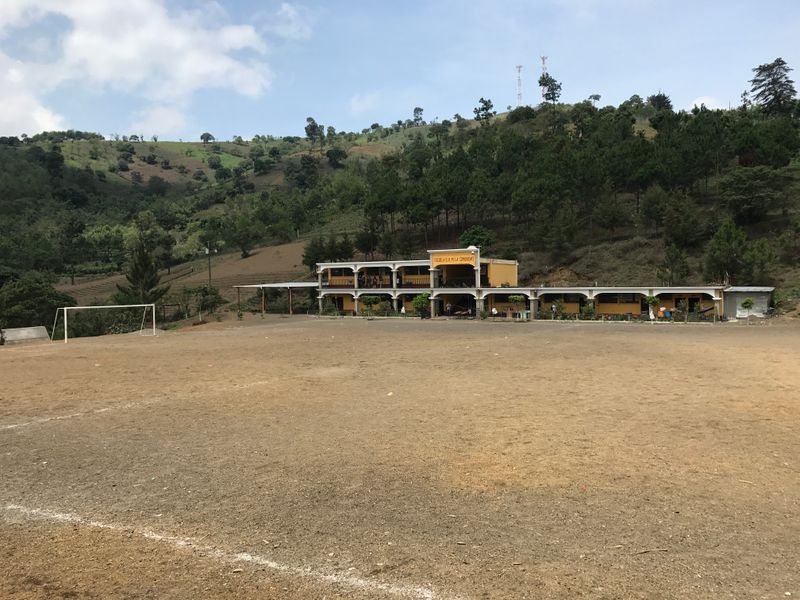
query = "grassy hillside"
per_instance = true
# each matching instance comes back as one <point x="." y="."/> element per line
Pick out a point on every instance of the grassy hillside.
<point x="626" y="195"/>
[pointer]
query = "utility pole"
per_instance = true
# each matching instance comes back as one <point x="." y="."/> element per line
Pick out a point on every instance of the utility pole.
<point x="519" y="85"/>
<point x="208" y="255"/>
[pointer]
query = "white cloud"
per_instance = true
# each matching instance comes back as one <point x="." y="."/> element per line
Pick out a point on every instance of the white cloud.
<point x="22" y="111"/>
<point x="139" y="47"/>
<point x="364" y="103"/>
<point x="159" y="120"/>
<point x="708" y="101"/>
<point x="16" y="13"/>
<point x="291" y="21"/>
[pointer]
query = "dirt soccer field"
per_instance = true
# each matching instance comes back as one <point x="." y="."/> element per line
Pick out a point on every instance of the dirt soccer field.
<point x="305" y="458"/>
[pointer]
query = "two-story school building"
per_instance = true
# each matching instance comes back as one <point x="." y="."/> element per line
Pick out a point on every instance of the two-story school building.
<point x="461" y="282"/>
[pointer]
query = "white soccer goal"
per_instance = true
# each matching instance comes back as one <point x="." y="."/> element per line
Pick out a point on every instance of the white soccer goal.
<point x="65" y="310"/>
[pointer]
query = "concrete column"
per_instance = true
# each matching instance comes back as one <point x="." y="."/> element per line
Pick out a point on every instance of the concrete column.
<point x="394" y="280"/>
<point x="319" y="279"/>
<point x="478" y="276"/>
<point x="355" y="279"/>
<point x="319" y="301"/>
<point x="534" y="307"/>
<point x="478" y="305"/>
<point x="432" y="273"/>
<point x="433" y="307"/>
<point x="394" y="305"/>
<point x="355" y="305"/>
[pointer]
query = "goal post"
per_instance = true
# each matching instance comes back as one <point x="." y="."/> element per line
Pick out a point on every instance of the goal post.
<point x="66" y="310"/>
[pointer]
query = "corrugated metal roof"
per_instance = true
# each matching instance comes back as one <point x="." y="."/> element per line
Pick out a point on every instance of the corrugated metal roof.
<point x="288" y="284"/>
<point x="749" y="289"/>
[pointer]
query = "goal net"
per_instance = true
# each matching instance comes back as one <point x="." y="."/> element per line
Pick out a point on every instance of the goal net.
<point x="146" y="327"/>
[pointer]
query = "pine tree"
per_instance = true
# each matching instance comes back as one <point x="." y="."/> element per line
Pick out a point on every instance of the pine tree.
<point x="725" y="253"/>
<point x="143" y="279"/>
<point x="315" y="251"/>
<point x="772" y="88"/>
<point x="674" y="268"/>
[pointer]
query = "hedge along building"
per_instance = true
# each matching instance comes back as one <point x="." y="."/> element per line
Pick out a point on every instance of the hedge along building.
<point x="461" y="282"/>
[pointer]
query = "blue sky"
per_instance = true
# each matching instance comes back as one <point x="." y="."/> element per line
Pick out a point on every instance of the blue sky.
<point x="246" y="67"/>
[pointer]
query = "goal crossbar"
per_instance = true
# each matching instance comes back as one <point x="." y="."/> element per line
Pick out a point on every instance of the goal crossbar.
<point x="151" y="306"/>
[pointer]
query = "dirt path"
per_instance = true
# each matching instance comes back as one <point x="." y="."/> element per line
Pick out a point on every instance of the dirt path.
<point x="372" y="459"/>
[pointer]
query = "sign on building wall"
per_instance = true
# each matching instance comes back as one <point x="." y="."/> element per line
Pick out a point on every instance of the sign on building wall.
<point x="453" y="258"/>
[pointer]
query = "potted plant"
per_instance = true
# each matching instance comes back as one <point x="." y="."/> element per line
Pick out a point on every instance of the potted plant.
<point x="748" y="304"/>
<point x="518" y="300"/>
<point x="652" y="303"/>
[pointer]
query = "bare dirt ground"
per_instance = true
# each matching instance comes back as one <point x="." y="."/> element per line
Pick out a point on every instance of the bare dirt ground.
<point x="305" y="458"/>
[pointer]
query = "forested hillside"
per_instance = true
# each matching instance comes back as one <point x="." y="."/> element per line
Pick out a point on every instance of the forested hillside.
<point x="636" y="193"/>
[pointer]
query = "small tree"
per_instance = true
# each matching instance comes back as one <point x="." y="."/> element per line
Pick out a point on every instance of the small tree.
<point x="479" y="236"/>
<point x="725" y="253"/>
<point x="335" y="157"/>
<point x="206" y="138"/>
<point x="675" y="267"/>
<point x="421" y="304"/>
<point x="557" y="308"/>
<point x="314" y="252"/>
<point x="683" y="307"/>
<point x="484" y="111"/>
<point x="207" y="298"/>
<point x="142" y="279"/>
<point x="587" y="311"/>
<point x="518" y="300"/>
<point x="369" y="302"/>
<point x="552" y="89"/>
<point x="748" y="304"/>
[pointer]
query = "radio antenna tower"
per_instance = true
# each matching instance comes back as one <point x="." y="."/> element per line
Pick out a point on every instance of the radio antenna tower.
<point x="544" y="72"/>
<point x="519" y="85"/>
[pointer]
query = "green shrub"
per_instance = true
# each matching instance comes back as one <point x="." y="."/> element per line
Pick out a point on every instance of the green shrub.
<point x="587" y="311"/>
<point x="421" y="303"/>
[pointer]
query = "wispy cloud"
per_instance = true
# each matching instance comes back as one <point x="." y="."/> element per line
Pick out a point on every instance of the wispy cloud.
<point x="364" y="103"/>
<point x="290" y="21"/>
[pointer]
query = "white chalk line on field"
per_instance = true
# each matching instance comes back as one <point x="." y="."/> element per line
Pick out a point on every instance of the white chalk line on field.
<point x="85" y="413"/>
<point x="335" y="578"/>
